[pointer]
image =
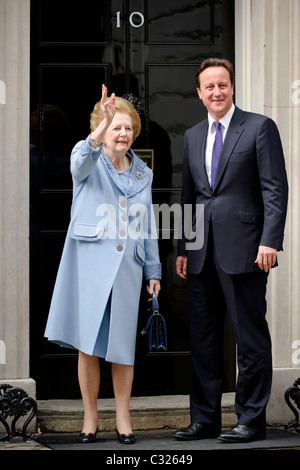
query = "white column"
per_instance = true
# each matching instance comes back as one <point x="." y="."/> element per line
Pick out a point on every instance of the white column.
<point x="14" y="193"/>
<point x="268" y="82"/>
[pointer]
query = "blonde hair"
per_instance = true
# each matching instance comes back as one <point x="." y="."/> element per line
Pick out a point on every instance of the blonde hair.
<point x="122" y="106"/>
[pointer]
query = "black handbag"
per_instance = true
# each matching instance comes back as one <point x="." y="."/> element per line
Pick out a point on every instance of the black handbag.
<point x="155" y="328"/>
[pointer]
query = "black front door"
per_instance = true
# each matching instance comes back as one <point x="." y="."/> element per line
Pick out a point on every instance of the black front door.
<point x="149" y="51"/>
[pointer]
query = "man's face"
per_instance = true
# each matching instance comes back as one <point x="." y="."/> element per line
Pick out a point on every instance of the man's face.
<point x="216" y="91"/>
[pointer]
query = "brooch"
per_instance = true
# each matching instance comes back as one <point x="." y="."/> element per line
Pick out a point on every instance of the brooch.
<point x="139" y="175"/>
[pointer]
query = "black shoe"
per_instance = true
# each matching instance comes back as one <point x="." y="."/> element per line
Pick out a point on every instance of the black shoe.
<point x="126" y="438"/>
<point x="242" y="433"/>
<point x="196" y="431"/>
<point x="86" y="438"/>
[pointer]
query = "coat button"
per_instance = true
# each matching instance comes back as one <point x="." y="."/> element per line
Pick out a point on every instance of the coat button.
<point x="122" y="233"/>
<point x="124" y="218"/>
<point x="120" y="247"/>
<point x="123" y="203"/>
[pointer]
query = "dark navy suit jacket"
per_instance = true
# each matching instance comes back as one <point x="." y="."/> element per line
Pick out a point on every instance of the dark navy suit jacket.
<point x="248" y="205"/>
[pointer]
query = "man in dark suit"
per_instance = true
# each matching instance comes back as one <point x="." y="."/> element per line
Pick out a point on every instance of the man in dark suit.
<point x="244" y="194"/>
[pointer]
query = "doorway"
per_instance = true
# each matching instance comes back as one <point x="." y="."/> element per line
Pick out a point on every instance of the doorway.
<point x="147" y="51"/>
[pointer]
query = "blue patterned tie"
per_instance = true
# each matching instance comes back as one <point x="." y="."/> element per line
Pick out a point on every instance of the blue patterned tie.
<point x="217" y="149"/>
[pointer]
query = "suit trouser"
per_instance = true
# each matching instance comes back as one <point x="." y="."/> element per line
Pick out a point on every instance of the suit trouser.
<point x="211" y="293"/>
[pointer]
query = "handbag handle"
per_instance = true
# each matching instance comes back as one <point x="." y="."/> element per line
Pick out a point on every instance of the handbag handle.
<point x="155" y="311"/>
<point x="155" y="306"/>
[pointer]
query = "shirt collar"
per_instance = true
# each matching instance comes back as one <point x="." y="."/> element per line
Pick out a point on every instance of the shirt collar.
<point x="225" y="120"/>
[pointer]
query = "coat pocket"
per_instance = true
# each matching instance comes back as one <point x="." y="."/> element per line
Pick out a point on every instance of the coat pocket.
<point x="248" y="217"/>
<point x="139" y="253"/>
<point x="86" y="232"/>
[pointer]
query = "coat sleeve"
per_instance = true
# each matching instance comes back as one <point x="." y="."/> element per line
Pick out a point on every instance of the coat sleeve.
<point x="274" y="185"/>
<point x="152" y="265"/>
<point x="83" y="160"/>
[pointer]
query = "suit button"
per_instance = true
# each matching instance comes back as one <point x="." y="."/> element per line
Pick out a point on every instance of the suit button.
<point x="120" y="247"/>
<point x="213" y="197"/>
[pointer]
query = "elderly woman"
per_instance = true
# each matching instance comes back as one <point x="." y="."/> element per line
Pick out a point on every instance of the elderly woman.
<point x="111" y="242"/>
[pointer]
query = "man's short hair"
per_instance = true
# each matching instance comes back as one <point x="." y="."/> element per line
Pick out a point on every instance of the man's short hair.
<point x="215" y="62"/>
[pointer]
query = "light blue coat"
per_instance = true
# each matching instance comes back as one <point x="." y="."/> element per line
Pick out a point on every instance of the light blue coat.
<point x="111" y="242"/>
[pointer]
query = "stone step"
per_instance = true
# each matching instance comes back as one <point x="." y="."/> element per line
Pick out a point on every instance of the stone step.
<point x="147" y="413"/>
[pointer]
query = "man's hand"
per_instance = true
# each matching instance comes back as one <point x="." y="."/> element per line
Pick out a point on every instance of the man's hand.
<point x="181" y="264"/>
<point x="266" y="257"/>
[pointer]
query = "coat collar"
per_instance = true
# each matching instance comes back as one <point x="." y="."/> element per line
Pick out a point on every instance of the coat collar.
<point x="139" y="175"/>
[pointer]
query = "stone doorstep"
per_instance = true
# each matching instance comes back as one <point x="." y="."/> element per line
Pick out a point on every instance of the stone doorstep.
<point x="147" y="413"/>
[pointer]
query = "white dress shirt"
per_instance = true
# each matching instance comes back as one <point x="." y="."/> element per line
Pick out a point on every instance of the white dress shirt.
<point x="225" y="121"/>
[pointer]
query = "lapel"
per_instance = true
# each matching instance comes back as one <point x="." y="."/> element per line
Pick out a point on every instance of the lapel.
<point x="199" y="147"/>
<point x="234" y="132"/>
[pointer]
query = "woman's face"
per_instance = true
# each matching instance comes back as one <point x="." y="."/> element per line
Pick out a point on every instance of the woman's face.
<point x="119" y="135"/>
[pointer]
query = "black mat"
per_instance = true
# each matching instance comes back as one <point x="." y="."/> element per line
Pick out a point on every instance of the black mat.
<point x="162" y="441"/>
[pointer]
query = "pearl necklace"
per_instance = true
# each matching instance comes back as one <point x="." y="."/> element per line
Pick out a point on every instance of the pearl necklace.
<point x="122" y="171"/>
